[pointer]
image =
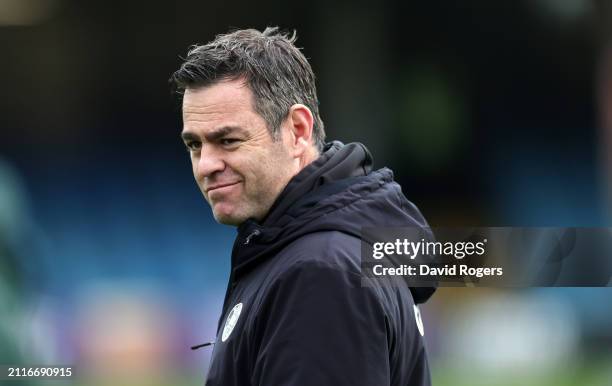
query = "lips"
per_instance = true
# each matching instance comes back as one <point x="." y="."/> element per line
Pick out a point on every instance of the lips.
<point x="218" y="186"/>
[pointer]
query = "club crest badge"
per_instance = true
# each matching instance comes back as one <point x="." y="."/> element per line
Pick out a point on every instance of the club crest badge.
<point x="230" y="322"/>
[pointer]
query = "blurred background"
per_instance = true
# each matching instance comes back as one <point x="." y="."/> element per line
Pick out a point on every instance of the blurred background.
<point x="490" y="114"/>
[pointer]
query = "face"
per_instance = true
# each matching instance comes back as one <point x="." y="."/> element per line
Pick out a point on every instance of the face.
<point x="239" y="168"/>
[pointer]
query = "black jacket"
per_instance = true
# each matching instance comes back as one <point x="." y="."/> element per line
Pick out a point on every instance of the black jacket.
<point x="295" y="311"/>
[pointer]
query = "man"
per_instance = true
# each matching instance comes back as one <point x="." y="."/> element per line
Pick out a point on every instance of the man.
<point x="295" y="311"/>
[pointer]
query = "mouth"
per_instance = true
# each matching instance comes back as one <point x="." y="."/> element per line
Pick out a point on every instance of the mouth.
<point x="221" y="186"/>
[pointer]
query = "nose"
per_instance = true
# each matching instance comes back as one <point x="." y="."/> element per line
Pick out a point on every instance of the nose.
<point x="209" y="163"/>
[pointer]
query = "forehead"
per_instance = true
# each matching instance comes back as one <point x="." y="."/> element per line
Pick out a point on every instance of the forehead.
<point x="225" y="100"/>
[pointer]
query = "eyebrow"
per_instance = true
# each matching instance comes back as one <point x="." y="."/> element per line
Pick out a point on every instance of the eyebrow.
<point x="213" y="135"/>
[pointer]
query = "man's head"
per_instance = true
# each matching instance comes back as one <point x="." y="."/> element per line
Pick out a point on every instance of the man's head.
<point x="250" y="119"/>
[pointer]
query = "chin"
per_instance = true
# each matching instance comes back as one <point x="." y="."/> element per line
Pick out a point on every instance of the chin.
<point x="230" y="214"/>
<point x="227" y="217"/>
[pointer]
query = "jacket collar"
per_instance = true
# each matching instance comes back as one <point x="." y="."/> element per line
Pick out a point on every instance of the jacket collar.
<point x="333" y="171"/>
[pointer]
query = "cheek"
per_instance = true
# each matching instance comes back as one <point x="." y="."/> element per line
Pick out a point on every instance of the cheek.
<point x="195" y="176"/>
<point x="265" y="170"/>
<point x="194" y="166"/>
<point x="270" y="179"/>
<point x="262" y="170"/>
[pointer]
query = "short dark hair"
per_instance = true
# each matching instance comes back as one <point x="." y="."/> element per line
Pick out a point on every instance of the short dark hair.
<point x="275" y="70"/>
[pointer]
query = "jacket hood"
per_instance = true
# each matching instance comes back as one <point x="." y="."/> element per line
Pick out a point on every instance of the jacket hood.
<point x="337" y="192"/>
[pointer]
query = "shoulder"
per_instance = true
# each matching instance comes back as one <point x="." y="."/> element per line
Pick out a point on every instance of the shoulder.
<point x="332" y="250"/>
<point x="332" y="260"/>
<point x="318" y="273"/>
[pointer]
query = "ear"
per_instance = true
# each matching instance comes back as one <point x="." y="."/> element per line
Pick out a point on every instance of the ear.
<point x="299" y="129"/>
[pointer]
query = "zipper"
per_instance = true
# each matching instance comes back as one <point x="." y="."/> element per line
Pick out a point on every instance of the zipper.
<point x="202" y="345"/>
<point x="255" y="233"/>
<point x="249" y="224"/>
<point x="235" y="248"/>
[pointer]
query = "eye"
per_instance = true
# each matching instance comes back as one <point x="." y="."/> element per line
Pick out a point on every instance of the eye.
<point x="193" y="145"/>
<point x="228" y="141"/>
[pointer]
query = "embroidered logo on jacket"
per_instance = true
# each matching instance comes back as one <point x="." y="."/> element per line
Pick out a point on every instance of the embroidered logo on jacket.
<point x="230" y="322"/>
